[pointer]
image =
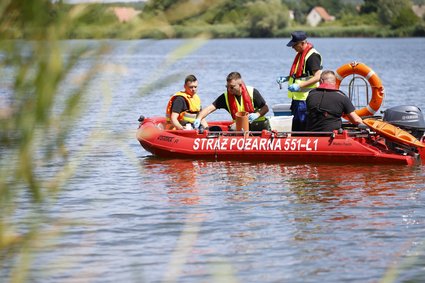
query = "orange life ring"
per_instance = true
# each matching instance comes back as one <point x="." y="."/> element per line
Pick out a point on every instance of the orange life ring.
<point x="374" y="81"/>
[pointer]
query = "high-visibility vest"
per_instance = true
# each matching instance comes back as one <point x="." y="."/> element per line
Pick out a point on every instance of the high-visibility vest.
<point x="240" y="105"/>
<point x="303" y="92"/>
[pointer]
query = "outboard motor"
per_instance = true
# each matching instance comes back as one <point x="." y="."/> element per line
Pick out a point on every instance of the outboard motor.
<point x="406" y="117"/>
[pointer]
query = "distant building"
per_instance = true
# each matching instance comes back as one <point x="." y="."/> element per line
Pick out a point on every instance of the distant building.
<point x="291" y="14"/>
<point x="419" y="10"/>
<point x="125" y="14"/>
<point x="318" y="14"/>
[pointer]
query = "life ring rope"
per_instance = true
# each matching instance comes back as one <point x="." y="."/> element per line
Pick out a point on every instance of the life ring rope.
<point x="378" y="93"/>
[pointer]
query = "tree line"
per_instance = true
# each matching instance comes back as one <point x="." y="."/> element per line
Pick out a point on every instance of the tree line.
<point x="225" y="19"/>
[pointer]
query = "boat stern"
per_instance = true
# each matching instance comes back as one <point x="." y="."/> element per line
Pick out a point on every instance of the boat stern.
<point x="421" y="151"/>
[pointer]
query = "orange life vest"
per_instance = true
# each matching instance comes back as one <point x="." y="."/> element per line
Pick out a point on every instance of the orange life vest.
<point x="193" y="103"/>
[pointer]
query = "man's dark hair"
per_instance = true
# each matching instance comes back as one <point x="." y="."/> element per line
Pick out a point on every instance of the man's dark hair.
<point x="233" y="76"/>
<point x="190" y="78"/>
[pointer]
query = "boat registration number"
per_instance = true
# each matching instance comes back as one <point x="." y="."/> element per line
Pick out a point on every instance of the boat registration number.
<point x="288" y="144"/>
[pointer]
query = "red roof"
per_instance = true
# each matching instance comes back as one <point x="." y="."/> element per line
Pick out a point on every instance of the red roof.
<point x="323" y="13"/>
<point x="125" y="14"/>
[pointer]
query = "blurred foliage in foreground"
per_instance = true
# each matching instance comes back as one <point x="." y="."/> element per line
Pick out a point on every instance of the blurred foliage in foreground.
<point x="34" y="125"/>
<point x="219" y="19"/>
<point x="43" y="84"/>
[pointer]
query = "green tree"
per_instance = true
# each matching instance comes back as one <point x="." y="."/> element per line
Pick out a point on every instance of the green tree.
<point x="404" y="18"/>
<point x="155" y="6"/>
<point x="264" y="18"/>
<point x="396" y="13"/>
<point x="228" y="12"/>
<point x="29" y="17"/>
<point x="369" y="6"/>
<point x="97" y="14"/>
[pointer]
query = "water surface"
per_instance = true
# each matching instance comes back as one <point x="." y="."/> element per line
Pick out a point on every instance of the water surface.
<point x="144" y="219"/>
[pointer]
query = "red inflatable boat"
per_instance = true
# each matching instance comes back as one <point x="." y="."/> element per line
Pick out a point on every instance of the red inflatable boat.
<point x="397" y="138"/>
<point x="349" y="145"/>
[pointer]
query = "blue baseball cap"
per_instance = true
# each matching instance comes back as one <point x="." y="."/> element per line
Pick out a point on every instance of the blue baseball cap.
<point x="297" y="36"/>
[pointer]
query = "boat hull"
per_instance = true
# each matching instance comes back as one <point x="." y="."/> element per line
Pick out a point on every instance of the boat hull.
<point x="266" y="146"/>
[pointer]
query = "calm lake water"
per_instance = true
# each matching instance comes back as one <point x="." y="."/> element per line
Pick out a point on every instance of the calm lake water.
<point x="143" y="219"/>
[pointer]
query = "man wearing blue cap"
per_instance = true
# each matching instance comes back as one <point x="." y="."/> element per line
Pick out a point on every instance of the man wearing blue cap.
<point x="303" y="77"/>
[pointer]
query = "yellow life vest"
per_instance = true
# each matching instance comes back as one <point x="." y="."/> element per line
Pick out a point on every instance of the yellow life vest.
<point x="303" y="92"/>
<point x="240" y="105"/>
<point x="193" y="103"/>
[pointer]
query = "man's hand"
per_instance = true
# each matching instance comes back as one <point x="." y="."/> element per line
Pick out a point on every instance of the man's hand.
<point x="253" y="116"/>
<point x="281" y="79"/>
<point x="196" y="124"/>
<point x="294" y="87"/>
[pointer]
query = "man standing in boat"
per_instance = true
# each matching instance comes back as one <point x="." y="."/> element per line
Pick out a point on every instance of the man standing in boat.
<point x="326" y="104"/>
<point x="184" y="106"/>
<point x="303" y="77"/>
<point x="238" y="98"/>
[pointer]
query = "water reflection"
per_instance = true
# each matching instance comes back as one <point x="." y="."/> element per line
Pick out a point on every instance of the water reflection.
<point x="179" y="178"/>
<point x="344" y="215"/>
<point x="342" y="198"/>
<point x="351" y="184"/>
<point x="338" y="185"/>
<point x="187" y="180"/>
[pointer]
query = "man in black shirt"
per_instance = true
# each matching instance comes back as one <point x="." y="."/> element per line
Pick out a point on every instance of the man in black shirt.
<point x="184" y="105"/>
<point x="239" y="97"/>
<point x="326" y="104"/>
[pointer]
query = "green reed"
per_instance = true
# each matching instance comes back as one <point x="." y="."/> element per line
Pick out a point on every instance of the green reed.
<point x="32" y="134"/>
<point x="37" y="115"/>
